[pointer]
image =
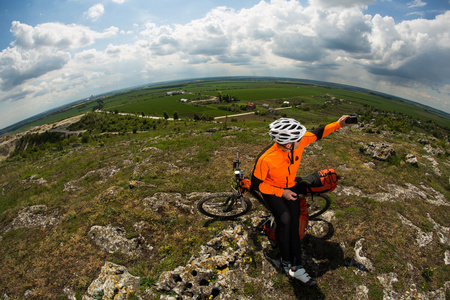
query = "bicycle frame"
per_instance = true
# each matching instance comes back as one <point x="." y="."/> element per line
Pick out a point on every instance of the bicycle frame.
<point x="235" y="203"/>
<point x="236" y="183"/>
<point x="238" y="174"/>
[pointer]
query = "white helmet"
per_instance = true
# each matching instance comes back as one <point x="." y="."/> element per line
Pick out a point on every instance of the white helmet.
<point x="286" y="130"/>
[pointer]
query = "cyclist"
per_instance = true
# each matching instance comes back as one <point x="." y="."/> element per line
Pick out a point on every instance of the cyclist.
<point x="274" y="176"/>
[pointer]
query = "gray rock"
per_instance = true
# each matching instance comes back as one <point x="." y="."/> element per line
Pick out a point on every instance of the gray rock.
<point x="360" y="258"/>
<point x="4" y="297"/>
<point x="34" y="216"/>
<point x="388" y="279"/>
<point x="135" y="184"/>
<point x="411" y="159"/>
<point x="35" y="180"/>
<point x="442" y="232"/>
<point x="370" y="165"/>
<point x="219" y="267"/>
<point x="158" y="200"/>
<point x="113" y="282"/>
<point x="433" y="151"/>
<point x="104" y="174"/>
<point x="113" y="239"/>
<point x="362" y="293"/>
<point x="394" y="193"/>
<point x="434" y="164"/>
<point x="110" y="193"/>
<point x="380" y="151"/>
<point x="422" y="238"/>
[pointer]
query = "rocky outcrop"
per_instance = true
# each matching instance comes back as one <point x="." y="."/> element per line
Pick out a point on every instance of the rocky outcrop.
<point x="113" y="282"/>
<point x="434" y="164"/>
<point x="442" y="232"/>
<point x="362" y="293"/>
<point x="101" y="174"/>
<point x="34" y="216"/>
<point x="394" y="193"/>
<point x="8" y="144"/>
<point x="221" y="266"/>
<point x="136" y="184"/>
<point x="433" y="150"/>
<point x="184" y="202"/>
<point x="360" y="258"/>
<point x="423" y="141"/>
<point x="110" y="193"/>
<point x="380" y="151"/>
<point x="422" y="238"/>
<point x="113" y="239"/>
<point x="34" y="179"/>
<point x="388" y="279"/>
<point x="411" y="159"/>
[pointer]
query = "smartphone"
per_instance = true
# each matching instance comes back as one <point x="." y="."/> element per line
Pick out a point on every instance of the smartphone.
<point x="351" y="120"/>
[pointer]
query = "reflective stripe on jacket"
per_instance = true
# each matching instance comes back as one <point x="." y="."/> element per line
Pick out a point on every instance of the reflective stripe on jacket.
<point x="274" y="169"/>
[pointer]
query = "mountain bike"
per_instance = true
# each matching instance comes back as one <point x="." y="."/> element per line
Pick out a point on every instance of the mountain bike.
<point x="233" y="204"/>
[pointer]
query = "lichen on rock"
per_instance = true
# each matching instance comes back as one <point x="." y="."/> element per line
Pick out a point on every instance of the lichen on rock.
<point x="34" y="216"/>
<point x="220" y="267"/>
<point x="113" y="282"/>
<point x="113" y="239"/>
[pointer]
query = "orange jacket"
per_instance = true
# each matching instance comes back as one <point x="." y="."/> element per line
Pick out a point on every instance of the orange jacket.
<point x="274" y="169"/>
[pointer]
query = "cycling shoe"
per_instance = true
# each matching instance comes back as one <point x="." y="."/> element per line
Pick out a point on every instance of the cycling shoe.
<point x="300" y="273"/>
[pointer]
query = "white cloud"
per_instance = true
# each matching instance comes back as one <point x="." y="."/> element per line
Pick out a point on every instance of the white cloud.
<point x="271" y="33"/>
<point x="54" y="61"/>
<point x="416" y="3"/>
<point x="95" y="12"/>
<point x="16" y="67"/>
<point x="342" y="3"/>
<point x="42" y="49"/>
<point x="56" y="35"/>
<point x="414" y="52"/>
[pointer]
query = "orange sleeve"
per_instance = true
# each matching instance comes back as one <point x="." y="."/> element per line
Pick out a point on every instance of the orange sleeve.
<point x="319" y="133"/>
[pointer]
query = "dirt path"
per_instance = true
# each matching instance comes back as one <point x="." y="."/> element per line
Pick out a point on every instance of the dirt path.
<point x="247" y="113"/>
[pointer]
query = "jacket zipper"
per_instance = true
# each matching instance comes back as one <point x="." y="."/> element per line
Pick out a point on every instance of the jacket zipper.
<point x="289" y="172"/>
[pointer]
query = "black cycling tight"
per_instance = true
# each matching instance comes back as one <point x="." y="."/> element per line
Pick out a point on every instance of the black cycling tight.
<point x="287" y="214"/>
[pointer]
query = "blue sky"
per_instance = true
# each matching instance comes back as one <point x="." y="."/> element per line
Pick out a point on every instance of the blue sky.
<point x="55" y="52"/>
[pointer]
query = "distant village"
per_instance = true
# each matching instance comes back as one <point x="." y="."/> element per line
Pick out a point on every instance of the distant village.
<point x="251" y="105"/>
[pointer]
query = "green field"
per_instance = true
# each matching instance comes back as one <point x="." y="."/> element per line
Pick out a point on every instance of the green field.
<point x="152" y="101"/>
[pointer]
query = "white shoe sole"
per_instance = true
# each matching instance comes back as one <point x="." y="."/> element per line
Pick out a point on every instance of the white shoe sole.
<point x="301" y="275"/>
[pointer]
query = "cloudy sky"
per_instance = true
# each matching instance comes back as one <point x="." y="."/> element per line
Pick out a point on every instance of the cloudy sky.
<point x="55" y="52"/>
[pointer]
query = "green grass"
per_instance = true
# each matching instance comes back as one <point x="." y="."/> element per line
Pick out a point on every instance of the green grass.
<point x="158" y="105"/>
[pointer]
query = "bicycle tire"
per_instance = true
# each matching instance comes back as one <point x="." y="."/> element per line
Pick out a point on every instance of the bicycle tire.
<point x="317" y="205"/>
<point x="212" y="206"/>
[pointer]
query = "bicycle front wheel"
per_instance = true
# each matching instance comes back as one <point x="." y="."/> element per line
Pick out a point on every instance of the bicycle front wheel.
<point x="317" y="205"/>
<point x="224" y="205"/>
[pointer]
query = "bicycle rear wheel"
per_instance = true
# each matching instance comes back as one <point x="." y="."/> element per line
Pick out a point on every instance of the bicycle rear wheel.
<point x="317" y="205"/>
<point x="224" y="205"/>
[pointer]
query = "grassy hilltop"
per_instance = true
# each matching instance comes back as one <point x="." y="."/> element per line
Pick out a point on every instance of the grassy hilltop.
<point x="124" y="170"/>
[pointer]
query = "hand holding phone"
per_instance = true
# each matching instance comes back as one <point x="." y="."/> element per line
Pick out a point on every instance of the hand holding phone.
<point x="351" y="120"/>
